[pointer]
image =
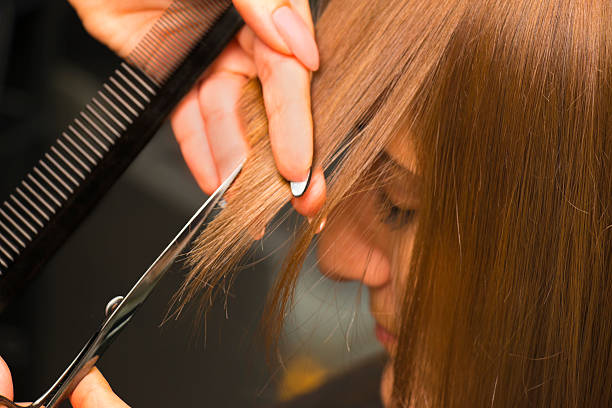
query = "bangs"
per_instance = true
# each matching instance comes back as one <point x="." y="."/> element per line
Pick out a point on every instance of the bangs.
<point x="376" y="56"/>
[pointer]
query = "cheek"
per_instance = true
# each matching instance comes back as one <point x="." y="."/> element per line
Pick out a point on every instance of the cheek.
<point x="401" y="253"/>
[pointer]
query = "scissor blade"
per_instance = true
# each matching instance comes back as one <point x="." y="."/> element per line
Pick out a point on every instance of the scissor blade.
<point x="122" y="314"/>
<point x="149" y="279"/>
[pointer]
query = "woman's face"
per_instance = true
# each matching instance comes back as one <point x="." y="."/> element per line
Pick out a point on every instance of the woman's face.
<point x="360" y="242"/>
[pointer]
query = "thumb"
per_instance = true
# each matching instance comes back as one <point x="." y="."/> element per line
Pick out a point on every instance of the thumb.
<point x="283" y="26"/>
<point x="6" y="381"/>
<point x="94" y="392"/>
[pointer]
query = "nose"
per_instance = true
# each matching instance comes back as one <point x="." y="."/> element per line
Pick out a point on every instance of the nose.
<point x="346" y="254"/>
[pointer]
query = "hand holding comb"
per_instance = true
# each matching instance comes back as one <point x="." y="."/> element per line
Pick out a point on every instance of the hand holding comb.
<point x="88" y="157"/>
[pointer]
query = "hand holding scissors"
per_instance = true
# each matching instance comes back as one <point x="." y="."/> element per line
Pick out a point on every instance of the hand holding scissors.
<point x="119" y="310"/>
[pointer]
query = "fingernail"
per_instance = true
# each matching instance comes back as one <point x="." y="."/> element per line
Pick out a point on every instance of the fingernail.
<point x="298" y="188"/>
<point x="298" y="37"/>
<point x="321" y="224"/>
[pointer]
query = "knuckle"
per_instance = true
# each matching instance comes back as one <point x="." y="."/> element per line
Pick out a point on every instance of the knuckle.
<point x="215" y="102"/>
<point x="265" y="69"/>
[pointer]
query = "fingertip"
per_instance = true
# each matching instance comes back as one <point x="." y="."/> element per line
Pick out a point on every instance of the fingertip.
<point x="311" y="202"/>
<point x="6" y="381"/>
<point x="293" y="160"/>
<point x="298" y="188"/>
<point x="95" y="392"/>
<point x="297" y="36"/>
<point x="89" y="385"/>
<point x="257" y="15"/>
<point x="257" y="234"/>
<point x="283" y="28"/>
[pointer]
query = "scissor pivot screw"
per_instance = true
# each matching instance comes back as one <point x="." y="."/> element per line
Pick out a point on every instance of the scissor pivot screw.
<point x="112" y="305"/>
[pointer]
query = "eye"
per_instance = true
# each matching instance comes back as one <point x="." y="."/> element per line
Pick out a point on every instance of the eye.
<point x="394" y="216"/>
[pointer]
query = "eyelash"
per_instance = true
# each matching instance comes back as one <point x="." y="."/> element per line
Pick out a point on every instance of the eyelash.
<point x="394" y="216"/>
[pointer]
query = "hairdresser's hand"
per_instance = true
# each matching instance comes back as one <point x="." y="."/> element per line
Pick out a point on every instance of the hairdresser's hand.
<point x="277" y="45"/>
<point x="92" y="392"/>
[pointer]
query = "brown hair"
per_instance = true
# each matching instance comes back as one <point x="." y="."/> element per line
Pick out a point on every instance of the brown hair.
<point x="507" y="300"/>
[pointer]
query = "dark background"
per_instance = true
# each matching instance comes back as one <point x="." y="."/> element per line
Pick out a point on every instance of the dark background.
<point x="49" y="68"/>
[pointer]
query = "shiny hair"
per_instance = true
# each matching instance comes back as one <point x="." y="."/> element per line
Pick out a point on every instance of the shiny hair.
<point x="509" y="104"/>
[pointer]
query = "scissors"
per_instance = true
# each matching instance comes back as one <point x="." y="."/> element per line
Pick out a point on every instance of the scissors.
<point x="119" y="310"/>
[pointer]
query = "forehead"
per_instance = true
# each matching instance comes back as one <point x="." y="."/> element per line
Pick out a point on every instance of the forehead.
<point x="402" y="150"/>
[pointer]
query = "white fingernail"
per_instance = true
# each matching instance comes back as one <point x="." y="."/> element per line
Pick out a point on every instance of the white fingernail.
<point x="298" y="188"/>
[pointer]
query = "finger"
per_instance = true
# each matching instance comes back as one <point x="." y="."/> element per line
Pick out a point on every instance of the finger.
<point x="313" y="199"/>
<point x="6" y="381"/>
<point x="283" y="26"/>
<point x="189" y="130"/>
<point x="94" y="392"/>
<point x="219" y="96"/>
<point x="237" y="56"/>
<point x="286" y="91"/>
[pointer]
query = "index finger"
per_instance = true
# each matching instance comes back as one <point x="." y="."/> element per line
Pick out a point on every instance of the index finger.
<point x="6" y="382"/>
<point x="94" y="392"/>
<point x="284" y="26"/>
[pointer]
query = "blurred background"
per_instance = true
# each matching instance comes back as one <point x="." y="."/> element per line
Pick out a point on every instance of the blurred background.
<point x="49" y="68"/>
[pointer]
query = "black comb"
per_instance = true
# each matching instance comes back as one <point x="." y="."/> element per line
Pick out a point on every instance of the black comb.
<point x="100" y="143"/>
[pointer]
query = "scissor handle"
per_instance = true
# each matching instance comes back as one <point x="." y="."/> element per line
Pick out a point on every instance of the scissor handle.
<point x="83" y="362"/>
<point x="74" y="373"/>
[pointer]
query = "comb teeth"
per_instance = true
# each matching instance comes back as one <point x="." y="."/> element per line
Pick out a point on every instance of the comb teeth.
<point x="174" y="35"/>
<point x="99" y="144"/>
<point x="61" y="171"/>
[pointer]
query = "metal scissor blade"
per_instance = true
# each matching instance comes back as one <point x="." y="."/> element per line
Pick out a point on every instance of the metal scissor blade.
<point x="149" y="279"/>
<point x="124" y="307"/>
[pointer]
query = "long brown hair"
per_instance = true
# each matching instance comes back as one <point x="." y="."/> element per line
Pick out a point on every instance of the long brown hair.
<point x="509" y="103"/>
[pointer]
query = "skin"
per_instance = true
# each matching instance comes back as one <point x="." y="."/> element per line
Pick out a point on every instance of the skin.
<point x="206" y="123"/>
<point x="92" y="392"/>
<point x="356" y="245"/>
<point x="212" y="140"/>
